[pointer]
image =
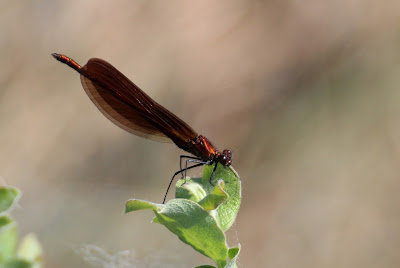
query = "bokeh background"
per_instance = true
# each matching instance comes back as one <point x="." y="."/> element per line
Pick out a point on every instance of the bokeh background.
<point x="305" y="93"/>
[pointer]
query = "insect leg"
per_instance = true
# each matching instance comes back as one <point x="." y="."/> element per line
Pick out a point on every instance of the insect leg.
<point x="187" y="157"/>
<point x="193" y="160"/>
<point x="213" y="172"/>
<point x="176" y="173"/>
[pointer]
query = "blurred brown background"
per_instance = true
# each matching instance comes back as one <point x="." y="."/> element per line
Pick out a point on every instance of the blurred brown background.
<point x="305" y="93"/>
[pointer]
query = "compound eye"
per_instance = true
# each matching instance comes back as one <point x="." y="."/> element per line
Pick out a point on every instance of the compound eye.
<point x="227" y="152"/>
<point x="226" y="157"/>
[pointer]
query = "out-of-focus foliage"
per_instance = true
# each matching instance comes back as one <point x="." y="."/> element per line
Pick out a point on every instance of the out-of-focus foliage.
<point x="29" y="253"/>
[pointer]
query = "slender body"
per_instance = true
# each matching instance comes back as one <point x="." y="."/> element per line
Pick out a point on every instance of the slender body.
<point x="126" y="105"/>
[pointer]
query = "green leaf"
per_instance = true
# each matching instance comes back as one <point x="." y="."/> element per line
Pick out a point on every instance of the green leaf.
<point x="201" y="213"/>
<point x="31" y="250"/>
<point x="8" y="238"/>
<point x="18" y="263"/>
<point x="189" y="190"/>
<point x="215" y="198"/>
<point x="8" y="196"/>
<point x="205" y="266"/>
<point x="195" y="227"/>
<point x="227" y="211"/>
<point x="136" y="204"/>
<point x="233" y="254"/>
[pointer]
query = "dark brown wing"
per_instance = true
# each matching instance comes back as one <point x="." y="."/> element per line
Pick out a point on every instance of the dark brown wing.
<point x="126" y="105"/>
<point x="121" y="114"/>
